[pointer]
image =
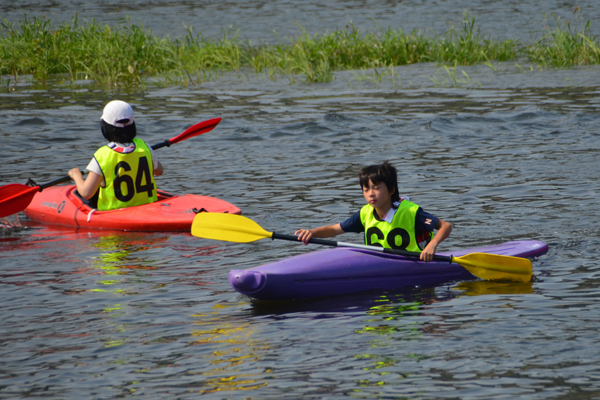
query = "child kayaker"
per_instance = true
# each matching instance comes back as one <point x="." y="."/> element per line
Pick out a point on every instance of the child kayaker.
<point x="387" y="220"/>
<point x="121" y="172"/>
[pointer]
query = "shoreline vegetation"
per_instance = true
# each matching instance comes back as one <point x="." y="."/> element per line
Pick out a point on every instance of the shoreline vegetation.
<point x="130" y="55"/>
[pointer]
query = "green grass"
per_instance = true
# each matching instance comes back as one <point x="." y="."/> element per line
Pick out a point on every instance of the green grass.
<point x="123" y="56"/>
<point x="129" y="55"/>
<point x="563" y="47"/>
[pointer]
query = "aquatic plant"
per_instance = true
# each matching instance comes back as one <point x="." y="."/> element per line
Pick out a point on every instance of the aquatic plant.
<point x="130" y="55"/>
<point x="466" y="46"/>
<point x="453" y="77"/>
<point x="563" y="47"/>
<point x="122" y="56"/>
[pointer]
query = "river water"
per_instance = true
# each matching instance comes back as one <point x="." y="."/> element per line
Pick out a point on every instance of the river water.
<point x="509" y="154"/>
<point x="259" y="20"/>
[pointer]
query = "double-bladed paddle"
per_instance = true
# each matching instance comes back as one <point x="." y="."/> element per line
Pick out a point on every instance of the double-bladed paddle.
<point x="236" y="228"/>
<point x="15" y="197"/>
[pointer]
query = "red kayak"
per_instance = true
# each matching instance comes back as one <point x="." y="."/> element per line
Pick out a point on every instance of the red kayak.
<point x="59" y="205"/>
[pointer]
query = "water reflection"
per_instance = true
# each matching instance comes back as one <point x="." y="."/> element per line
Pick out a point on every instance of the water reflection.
<point x="116" y="258"/>
<point x="401" y="326"/>
<point x="392" y="304"/>
<point x="482" y="288"/>
<point x="232" y="346"/>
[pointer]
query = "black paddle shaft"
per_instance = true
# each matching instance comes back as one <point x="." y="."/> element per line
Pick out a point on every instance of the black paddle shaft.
<point x="165" y="143"/>
<point x="313" y="241"/>
<point x="333" y="243"/>
<point x="55" y="182"/>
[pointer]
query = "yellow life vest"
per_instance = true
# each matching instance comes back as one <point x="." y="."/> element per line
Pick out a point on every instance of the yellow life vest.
<point x="400" y="234"/>
<point x="128" y="177"/>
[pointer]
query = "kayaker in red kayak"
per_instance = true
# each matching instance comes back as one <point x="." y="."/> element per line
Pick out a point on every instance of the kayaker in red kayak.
<point x="121" y="174"/>
<point x="387" y="220"/>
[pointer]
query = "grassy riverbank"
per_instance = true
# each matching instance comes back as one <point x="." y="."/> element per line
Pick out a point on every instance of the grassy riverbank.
<point x="129" y="55"/>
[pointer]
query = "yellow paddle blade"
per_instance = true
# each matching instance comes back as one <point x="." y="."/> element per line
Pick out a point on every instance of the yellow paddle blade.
<point x="227" y="227"/>
<point x="494" y="267"/>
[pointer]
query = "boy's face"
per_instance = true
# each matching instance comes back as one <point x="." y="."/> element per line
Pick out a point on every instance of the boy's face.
<point x="377" y="195"/>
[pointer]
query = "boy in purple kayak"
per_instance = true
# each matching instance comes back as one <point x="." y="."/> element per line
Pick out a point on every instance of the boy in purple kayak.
<point x="387" y="220"/>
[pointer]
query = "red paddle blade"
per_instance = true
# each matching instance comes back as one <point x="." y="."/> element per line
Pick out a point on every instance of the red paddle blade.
<point x="195" y="130"/>
<point x="15" y="197"/>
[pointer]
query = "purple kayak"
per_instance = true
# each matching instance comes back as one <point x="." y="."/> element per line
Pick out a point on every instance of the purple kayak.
<point x="345" y="270"/>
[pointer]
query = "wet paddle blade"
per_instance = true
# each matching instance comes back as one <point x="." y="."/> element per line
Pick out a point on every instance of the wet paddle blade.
<point x="197" y="129"/>
<point x="496" y="268"/>
<point x="227" y="227"/>
<point x="15" y="197"/>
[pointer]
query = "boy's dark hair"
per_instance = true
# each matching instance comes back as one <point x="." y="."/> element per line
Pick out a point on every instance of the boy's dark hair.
<point x="119" y="135"/>
<point x="377" y="174"/>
